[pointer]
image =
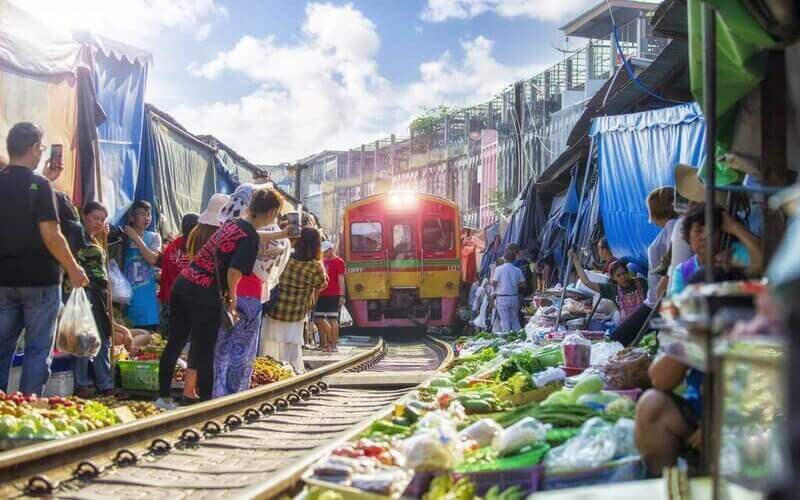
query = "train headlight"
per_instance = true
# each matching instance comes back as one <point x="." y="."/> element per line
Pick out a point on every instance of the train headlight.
<point x="449" y="285"/>
<point x="359" y="287"/>
<point x="402" y="199"/>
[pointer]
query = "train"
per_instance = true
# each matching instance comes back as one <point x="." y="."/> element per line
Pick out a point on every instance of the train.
<point x="403" y="258"/>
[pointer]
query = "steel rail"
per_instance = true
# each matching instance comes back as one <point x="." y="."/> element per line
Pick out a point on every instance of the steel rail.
<point x="288" y="480"/>
<point x="30" y="460"/>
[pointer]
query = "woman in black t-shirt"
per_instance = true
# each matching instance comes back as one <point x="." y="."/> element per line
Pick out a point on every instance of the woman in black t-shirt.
<point x="196" y="303"/>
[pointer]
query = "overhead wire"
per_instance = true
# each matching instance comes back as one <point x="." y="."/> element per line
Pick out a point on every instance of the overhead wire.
<point x="626" y="63"/>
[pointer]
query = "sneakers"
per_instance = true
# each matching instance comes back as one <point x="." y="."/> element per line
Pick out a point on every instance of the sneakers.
<point x="334" y="349"/>
<point x="165" y="403"/>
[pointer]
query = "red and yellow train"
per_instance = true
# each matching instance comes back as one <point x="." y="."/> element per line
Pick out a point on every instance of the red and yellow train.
<point x="403" y="255"/>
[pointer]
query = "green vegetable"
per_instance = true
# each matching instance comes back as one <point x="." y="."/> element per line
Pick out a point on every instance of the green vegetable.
<point x="440" y="382"/>
<point x="561" y="415"/>
<point x="477" y="406"/>
<point x="650" y="342"/>
<point x="459" y="373"/>
<point x="512" y="493"/>
<point x="559" y="436"/>
<point x="621" y="407"/>
<point x="589" y="385"/>
<point x="560" y="397"/>
<point x="388" y="428"/>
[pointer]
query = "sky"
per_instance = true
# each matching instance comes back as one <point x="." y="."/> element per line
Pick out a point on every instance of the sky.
<point x="279" y="80"/>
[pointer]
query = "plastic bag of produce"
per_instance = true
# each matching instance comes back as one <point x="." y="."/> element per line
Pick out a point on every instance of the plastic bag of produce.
<point x="121" y="291"/>
<point x="77" y="331"/>
<point x="594" y="446"/>
<point x="603" y="351"/>
<point x="526" y="432"/>
<point x="577" y="351"/>
<point x="483" y="431"/>
<point x="548" y="376"/>
<point x="628" y="369"/>
<point x="623" y="432"/>
<point x="433" y="449"/>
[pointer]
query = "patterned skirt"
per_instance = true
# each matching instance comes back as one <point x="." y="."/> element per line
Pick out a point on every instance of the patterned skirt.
<point x="236" y="349"/>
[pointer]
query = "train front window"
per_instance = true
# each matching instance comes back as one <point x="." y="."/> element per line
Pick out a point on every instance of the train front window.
<point x="402" y="241"/>
<point x="366" y="237"/>
<point x="437" y="234"/>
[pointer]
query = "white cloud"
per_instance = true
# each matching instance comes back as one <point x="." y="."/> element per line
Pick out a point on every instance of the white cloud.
<point x="545" y="10"/>
<point x="476" y="78"/>
<point x="134" y="21"/>
<point x="325" y="90"/>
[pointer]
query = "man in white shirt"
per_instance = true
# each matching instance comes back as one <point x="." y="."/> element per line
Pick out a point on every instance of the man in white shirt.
<point x="506" y="281"/>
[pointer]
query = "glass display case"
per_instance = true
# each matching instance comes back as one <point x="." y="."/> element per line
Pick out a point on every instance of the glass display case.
<point x="750" y="433"/>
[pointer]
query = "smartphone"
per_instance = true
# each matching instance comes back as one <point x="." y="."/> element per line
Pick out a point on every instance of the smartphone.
<point x="56" y="156"/>
<point x="293" y="218"/>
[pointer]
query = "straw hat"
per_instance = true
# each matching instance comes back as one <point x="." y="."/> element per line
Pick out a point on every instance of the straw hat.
<point x="688" y="184"/>
<point x="211" y="214"/>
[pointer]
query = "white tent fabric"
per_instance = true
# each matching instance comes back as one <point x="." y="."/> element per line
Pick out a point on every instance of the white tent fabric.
<point x="32" y="48"/>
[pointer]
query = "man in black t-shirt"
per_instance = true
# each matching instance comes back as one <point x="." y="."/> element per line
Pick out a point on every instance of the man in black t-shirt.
<point x="31" y="249"/>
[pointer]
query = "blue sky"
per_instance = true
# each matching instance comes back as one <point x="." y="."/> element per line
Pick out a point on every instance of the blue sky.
<point x="281" y="79"/>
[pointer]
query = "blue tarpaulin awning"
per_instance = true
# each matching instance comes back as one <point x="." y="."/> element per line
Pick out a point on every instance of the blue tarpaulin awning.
<point x="637" y="153"/>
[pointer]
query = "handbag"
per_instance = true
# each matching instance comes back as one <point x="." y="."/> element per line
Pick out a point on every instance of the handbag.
<point x="226" y="318"/>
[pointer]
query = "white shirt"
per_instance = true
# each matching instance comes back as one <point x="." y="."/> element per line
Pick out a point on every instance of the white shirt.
<point x="681" y="251"/>
<point x="508" y="278"/>
<point x="657" y="249"/>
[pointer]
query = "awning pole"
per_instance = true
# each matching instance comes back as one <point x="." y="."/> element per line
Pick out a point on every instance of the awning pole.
<point x="569" y="241"/>
<point x="710" y="101"/>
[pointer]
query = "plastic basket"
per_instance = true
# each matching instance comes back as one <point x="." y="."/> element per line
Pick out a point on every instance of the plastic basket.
<point x="527" y="479"/>
<point x="618" y="471"/>
<point x="139" y="375"/>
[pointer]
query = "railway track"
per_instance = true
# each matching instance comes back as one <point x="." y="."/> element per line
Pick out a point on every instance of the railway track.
<point x="250" y="445"/>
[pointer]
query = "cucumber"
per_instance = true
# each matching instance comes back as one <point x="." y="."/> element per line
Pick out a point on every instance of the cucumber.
<point x="477" y="406"/>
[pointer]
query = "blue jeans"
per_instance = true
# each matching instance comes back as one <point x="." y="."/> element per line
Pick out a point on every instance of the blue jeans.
<point x="34" y="308"/>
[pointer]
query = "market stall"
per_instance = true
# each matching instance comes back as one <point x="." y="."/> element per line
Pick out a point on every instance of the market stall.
<point x="516" y="413"/>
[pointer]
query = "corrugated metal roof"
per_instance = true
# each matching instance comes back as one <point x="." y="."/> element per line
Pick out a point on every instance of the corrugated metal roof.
<point x="669" y="20"/>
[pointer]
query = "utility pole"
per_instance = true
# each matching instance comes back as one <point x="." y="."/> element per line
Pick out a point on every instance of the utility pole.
<point x="520" y="115"/>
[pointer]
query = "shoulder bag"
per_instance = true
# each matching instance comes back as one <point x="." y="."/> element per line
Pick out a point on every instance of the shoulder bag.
<point x="226" y="319"/>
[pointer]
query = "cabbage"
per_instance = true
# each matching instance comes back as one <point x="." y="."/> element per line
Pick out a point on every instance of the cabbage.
<point x="589" y="385"/>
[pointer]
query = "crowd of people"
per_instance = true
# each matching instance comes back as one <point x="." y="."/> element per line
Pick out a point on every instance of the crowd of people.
<point x="238" y="281"/>
<point x="666" y="423"/>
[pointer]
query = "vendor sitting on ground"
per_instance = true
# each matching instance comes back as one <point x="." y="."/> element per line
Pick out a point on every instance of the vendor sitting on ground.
<point x="626" y="292"/>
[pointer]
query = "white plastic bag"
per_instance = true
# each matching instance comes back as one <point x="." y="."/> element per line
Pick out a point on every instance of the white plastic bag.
<point x="77" y="331"/>
<point x="433" y="449"/>
<point x="483" y="431"/>
<point x="345" y="319"/>
<point x="593" y="447"/>
<point x="526" y="432"/>
<point x="121" y="291"/>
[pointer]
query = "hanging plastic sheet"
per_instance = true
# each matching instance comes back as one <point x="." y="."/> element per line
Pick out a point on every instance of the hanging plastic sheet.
<point x="636" y="154"/>
<point x="183" y="173"/>
<point x="226" y="183"/>
<point x="120" y="85"/>
<point x="491" y="253"/>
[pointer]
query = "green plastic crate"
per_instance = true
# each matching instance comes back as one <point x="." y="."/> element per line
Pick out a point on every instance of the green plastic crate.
<point x="139" y="375"/>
